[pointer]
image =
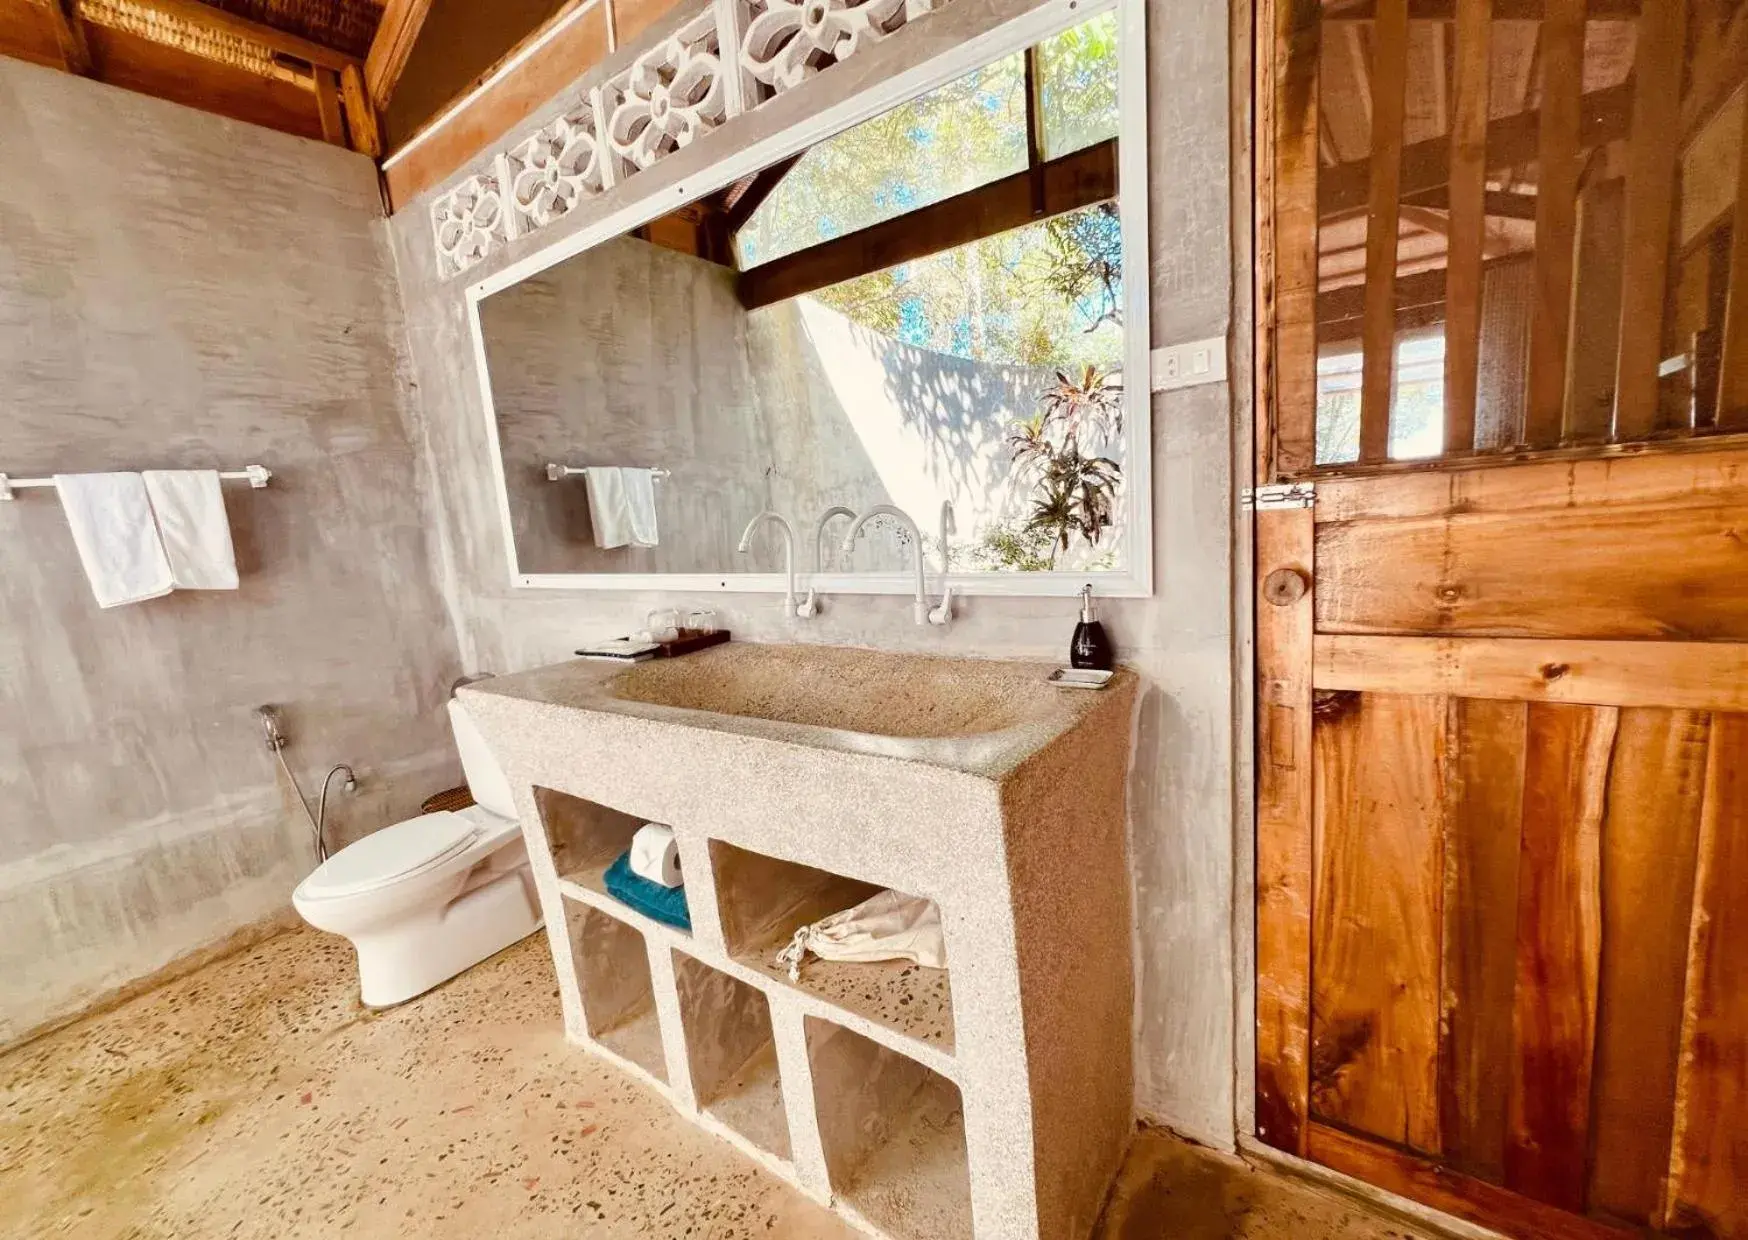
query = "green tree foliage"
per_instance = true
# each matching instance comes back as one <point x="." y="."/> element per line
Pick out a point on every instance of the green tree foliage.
<point x="1049" y="294"/>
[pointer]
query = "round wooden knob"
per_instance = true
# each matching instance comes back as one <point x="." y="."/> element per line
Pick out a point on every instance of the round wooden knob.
<point x="1284" y="587"/>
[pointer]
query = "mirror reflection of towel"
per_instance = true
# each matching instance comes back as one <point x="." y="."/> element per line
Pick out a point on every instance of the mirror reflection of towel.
<point x="622" y="506"/>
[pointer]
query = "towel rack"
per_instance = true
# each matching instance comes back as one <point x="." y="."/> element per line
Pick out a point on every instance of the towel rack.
<point x="558" y="473"/>
<point x="257" y="476"/>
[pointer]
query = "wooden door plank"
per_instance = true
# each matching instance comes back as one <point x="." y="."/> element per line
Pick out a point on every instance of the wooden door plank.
<point x="328" y="106"/>
<point x="1651" y="164"/>
<point x="1435" y="1185"/>
<point x="1483" y="829"/>
<point x="1389" y="92"/>
<point x="1649" y="852"/>
<point x="1602" y="573"/>
<point x="1559" y="940"/>
<point x="1594" y="342"/>
<point x="1378" y="809"/>
<point x="1708" y="1175"/>
<point x="1733" y="369"/>
<point x="1677" y="675"/>
<point x="1558" y="167"/>
<point x="1283" y="847"/>
<point x="1468" y="220"/>
<point x="1295" y="101"/>
<point x="1702" y="479"/>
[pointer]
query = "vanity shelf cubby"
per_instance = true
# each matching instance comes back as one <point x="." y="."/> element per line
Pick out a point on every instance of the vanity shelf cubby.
<point x="732" y="1053"/>
<point x="612" y="967"/>
<point x="893" y="1132"/>
<point x="585" y="838"/>
<point x="763" y="901"/>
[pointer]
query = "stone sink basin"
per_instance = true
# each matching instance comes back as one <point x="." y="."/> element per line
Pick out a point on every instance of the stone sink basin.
<point x="976" y="715"/>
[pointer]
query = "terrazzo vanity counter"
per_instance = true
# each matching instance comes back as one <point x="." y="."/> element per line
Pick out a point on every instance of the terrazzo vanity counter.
<point x="992" y="1100"/>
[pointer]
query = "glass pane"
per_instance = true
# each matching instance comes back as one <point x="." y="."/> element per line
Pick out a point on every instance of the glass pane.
<point x="1078" y="86"/>
<point x="967" y="133"/>
<point x="1048" y="295"/>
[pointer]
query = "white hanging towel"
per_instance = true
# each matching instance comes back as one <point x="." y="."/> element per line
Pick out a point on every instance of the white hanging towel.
<point x="886" y="926"/>
<point x="190" y="507"/>
<point x="117" y="538"/>
<point x="621" y="506"/>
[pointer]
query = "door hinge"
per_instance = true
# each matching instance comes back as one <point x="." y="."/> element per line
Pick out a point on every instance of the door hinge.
<point x="1279" y="495"/>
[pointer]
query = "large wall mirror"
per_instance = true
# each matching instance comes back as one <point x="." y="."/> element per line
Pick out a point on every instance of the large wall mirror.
<point x="940" y="310"/>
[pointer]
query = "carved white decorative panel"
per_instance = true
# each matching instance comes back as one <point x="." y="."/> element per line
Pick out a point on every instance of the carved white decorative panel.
<point x="558" y="166"/>
<point x="469" y="223"/>
<point x="670" y="96"/>
<point x="788" y="41"/>
<point x="674" y="93"/>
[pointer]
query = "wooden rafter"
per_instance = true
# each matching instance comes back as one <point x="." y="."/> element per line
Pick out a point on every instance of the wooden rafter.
<point x="1074" y="181"/>
<point x="392" y="47"/>
<point x="1511" y="140"/>
<point x="758" y="188"/>
<point x="363" y="132"/>
<point x="70" y="35"/>
<point x="328" y="107"/>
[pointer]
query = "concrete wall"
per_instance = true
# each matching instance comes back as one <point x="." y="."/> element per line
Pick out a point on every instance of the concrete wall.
<point x="1184" y="833"/>
<point x="181" y="290"/>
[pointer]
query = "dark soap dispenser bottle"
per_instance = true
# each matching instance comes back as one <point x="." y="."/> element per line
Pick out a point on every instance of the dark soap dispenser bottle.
<point x="1090" y="647"/>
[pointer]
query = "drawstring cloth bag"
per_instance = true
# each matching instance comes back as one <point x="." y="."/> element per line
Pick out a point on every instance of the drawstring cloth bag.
<point x="887" y="926"/>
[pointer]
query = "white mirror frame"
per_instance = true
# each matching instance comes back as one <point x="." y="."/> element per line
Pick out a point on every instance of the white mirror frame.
<point x="1049" y="18"/>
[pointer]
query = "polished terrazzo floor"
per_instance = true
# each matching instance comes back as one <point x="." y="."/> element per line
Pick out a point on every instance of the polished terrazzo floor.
<point x="257" y="1098"/>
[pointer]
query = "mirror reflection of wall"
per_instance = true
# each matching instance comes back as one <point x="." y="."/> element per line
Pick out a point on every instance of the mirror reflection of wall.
<point x="926" y="308"/>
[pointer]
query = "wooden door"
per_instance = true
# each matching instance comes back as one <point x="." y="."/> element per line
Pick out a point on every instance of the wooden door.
<point x="1502" y="908"/>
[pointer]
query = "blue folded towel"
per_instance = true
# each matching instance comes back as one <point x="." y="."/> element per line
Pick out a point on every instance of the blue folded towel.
<point x="664" y="904"/>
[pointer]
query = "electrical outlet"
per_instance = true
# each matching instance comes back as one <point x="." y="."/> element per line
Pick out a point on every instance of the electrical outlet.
<point x="1188" y="364"/>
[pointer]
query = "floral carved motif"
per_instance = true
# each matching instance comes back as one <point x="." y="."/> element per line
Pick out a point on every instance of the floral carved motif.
<point x="670" y="96"/>
<point x="731" y="57"/>
<point x="557" y="167"/>
<point x="788" y="41"/>
<point x="469" y="223"/>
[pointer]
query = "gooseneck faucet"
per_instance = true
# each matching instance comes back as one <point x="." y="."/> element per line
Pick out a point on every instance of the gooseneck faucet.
<point x="920" y="609"/>
<point x="782" y="522"/>
<point x="810" y="605"/>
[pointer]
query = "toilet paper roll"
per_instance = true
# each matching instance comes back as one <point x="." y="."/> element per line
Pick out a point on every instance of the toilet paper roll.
<point x="655" y="856"/>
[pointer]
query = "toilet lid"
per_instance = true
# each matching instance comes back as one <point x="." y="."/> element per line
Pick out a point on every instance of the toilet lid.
<point x="393" y="852"/>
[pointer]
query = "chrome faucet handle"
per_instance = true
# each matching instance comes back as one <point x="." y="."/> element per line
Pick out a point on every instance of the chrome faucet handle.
<point x="944" y="613"/>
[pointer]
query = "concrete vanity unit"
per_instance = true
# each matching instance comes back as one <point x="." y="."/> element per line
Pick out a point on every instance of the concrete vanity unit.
<point x="992" y="1100"/>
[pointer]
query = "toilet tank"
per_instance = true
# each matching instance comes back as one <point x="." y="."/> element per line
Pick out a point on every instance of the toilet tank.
<point x="485" y="778"/>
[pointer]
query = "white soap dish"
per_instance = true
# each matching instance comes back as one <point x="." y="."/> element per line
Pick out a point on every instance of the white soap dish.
<point x="1080" y="678"/>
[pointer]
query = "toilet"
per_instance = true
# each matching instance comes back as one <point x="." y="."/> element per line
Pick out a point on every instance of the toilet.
<point x="430" y="897"/>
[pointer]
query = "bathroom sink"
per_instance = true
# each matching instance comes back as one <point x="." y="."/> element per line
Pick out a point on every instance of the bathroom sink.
<point x="975" y="715"/>
<point x="875" y="693"/>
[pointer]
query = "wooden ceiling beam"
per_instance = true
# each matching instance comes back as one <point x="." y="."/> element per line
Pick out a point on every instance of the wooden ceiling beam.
<point x="70" y="35"/>
<point x="392" y="47"/>
<point x="1511" y="140"/>
<point x="1074" y="181"/>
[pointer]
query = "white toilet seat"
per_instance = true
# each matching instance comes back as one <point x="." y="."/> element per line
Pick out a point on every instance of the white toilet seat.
<point x="390" y="855"/>
<point x="411" y="849"/>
